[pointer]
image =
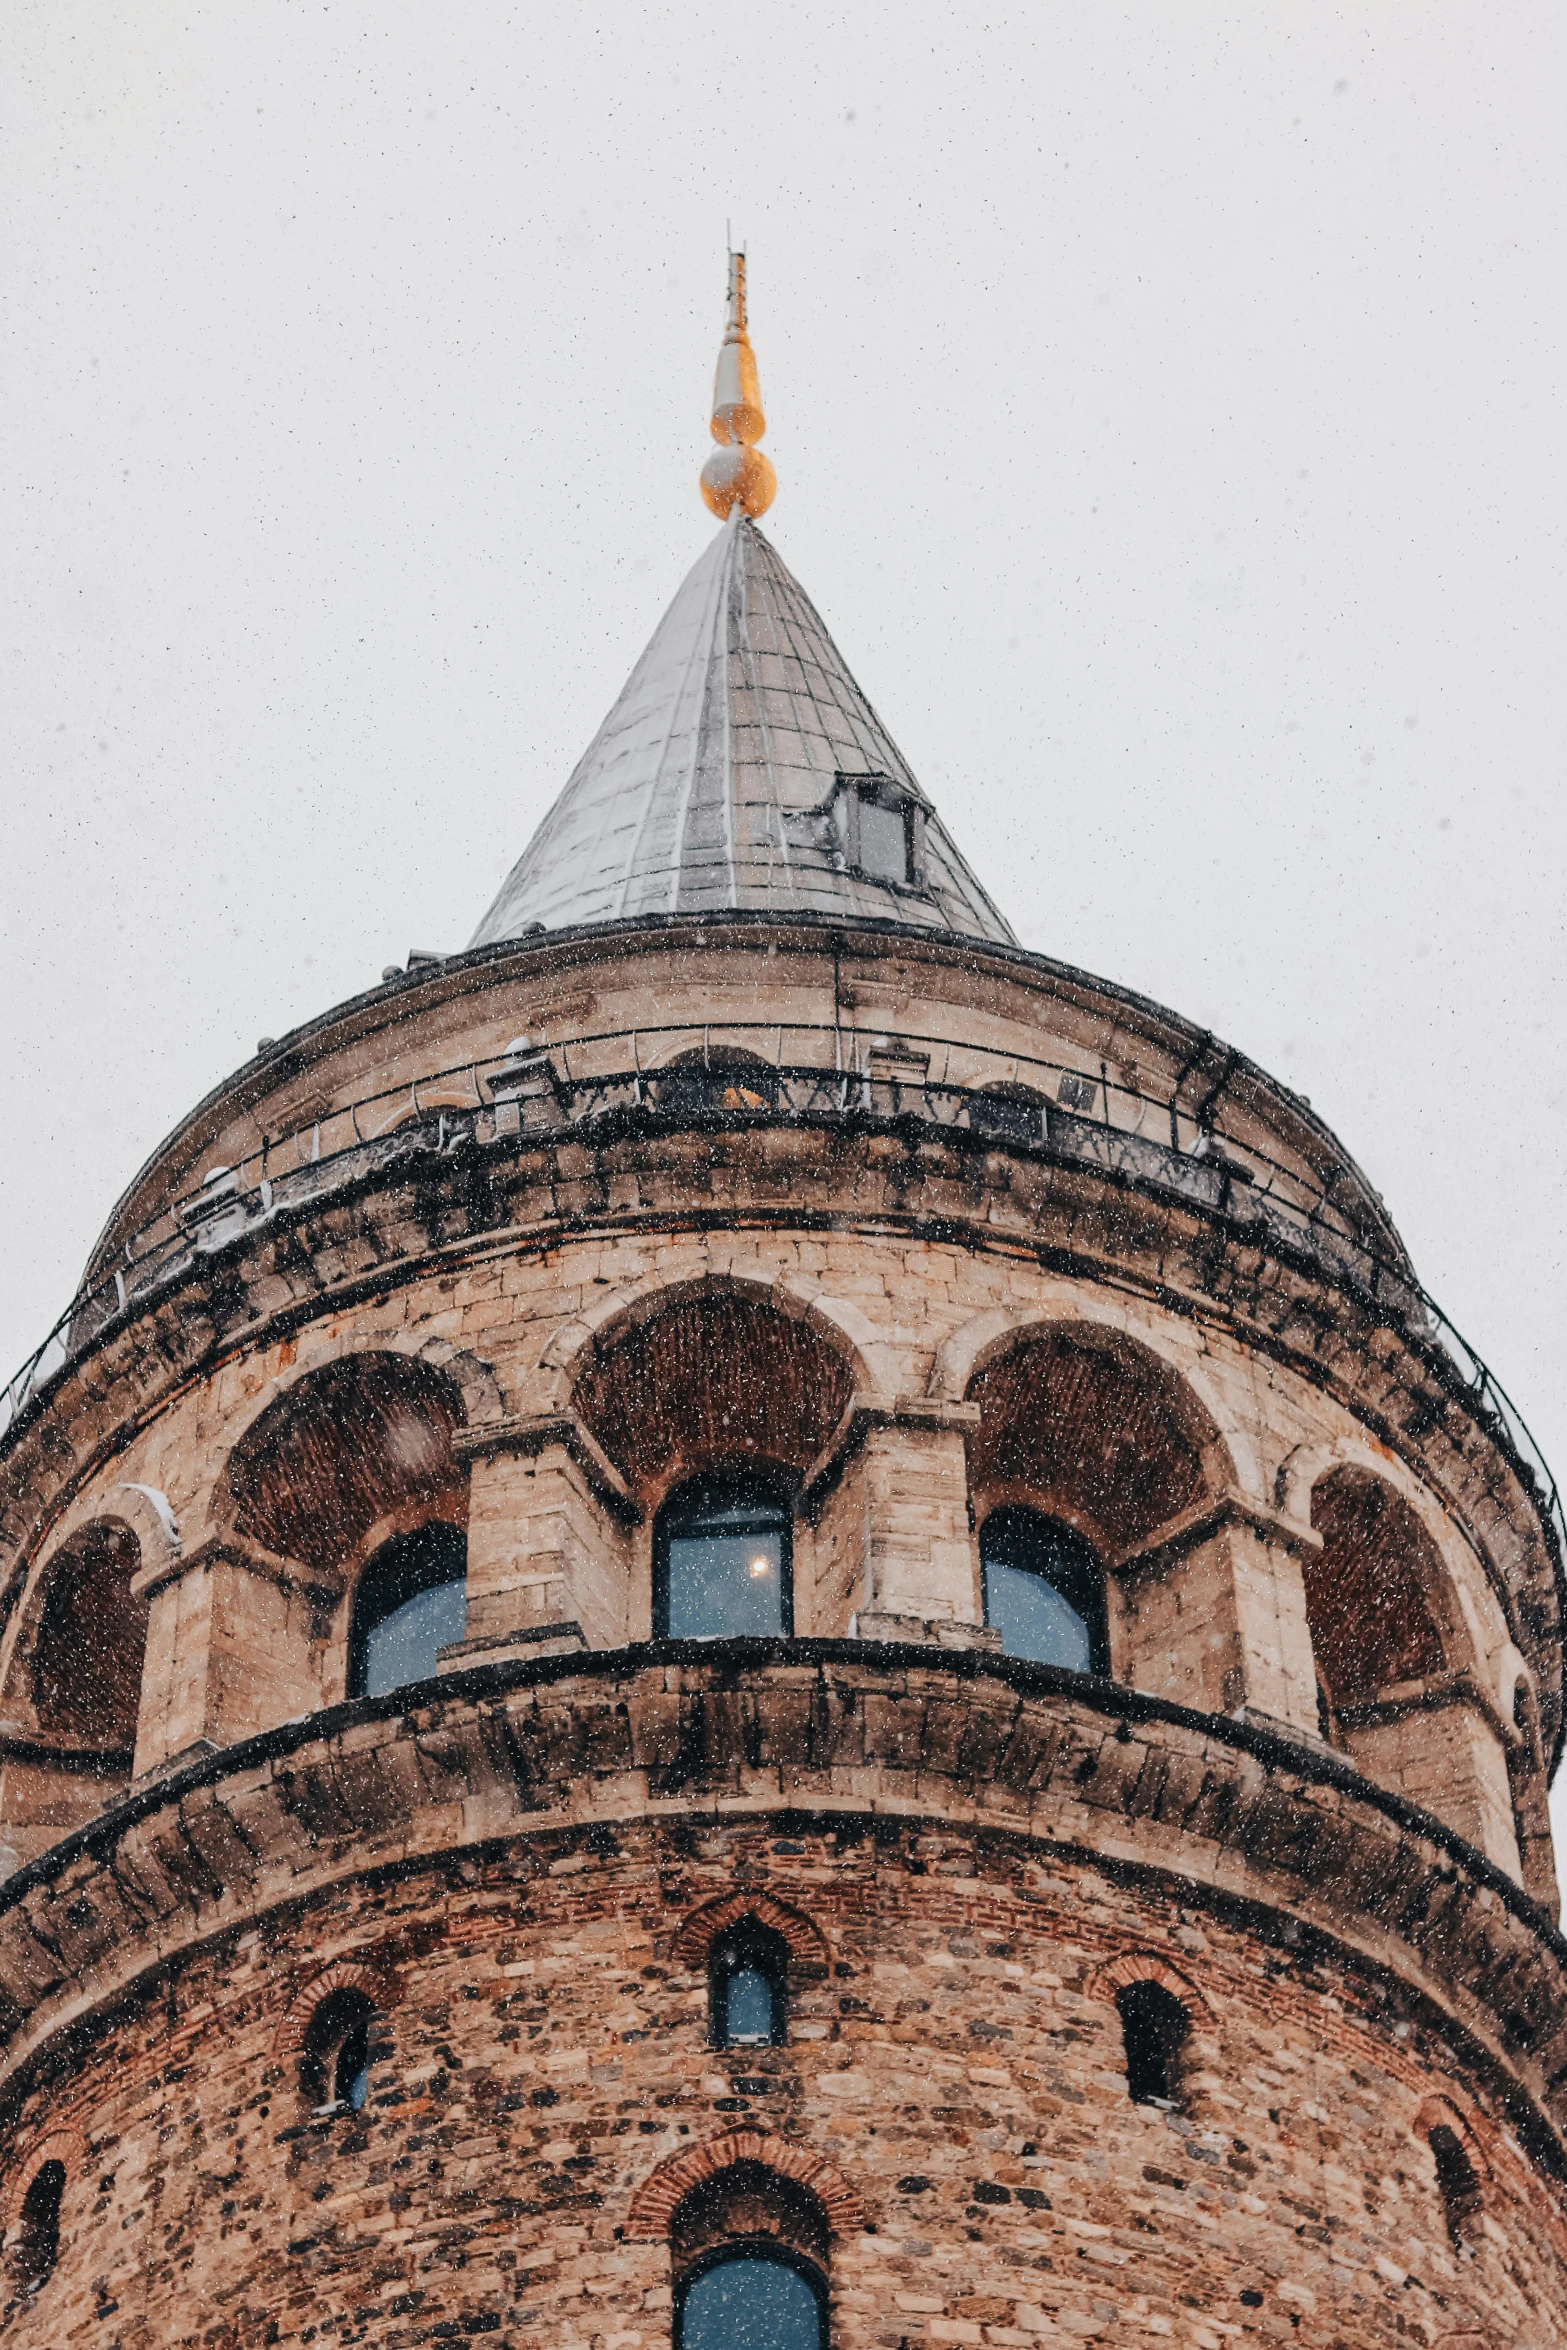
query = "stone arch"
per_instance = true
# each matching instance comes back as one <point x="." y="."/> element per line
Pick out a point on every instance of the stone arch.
<point x="1440" y="2112"/>
<point x="378" y="1982"/>
<point x="1147" y="1966"/>
<point x="62" y="2142"/>
<point x="76" y="1666"/>
<point x="575" y="1345"/>
<point x="690" y="1374"/>
<point x="1376" y="1602"/>
<point x="655" y="2202"/>
<point x="363" y="1436"/>
<point x="806" y="1943"/>
<point x="1091" y="1426"/>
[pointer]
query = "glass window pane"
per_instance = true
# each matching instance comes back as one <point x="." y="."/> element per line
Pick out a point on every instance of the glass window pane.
<point x="751" y="2304"/>
<point x="1044" y="1591"/>
<point x="1034" y="1620"/>
<point x="884" y="841"/>
<point x="402" y="1646"/>
<point x="748" y="2005"/>
<point x="725" y="1586"/>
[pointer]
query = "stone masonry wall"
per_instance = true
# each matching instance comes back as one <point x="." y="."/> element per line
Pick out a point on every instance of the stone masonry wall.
<point x="953" y="2078"/>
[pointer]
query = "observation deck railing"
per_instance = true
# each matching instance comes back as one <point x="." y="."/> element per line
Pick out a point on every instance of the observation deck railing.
<point x="1201" y="1148"/>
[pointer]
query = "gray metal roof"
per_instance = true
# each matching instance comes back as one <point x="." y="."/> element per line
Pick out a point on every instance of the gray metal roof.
<point x="715" y="780"/>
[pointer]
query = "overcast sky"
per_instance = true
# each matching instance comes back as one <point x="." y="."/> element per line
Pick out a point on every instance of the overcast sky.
<point x="1167" y="410"/>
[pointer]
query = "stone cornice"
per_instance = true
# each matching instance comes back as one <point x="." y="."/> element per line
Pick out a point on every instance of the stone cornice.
<point x="1236" y="1812"/>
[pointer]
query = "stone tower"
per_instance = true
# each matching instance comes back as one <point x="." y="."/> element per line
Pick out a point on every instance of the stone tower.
<point x="749" y="1621"/>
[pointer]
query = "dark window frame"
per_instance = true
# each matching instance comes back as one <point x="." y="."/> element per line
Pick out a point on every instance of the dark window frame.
<point x="383" y="1567"/>
<point x="344" y="2030"/>
<point x="37" y="2251"/>
<point x="1155" y="2029"/>
<point x="747" y="1943"/>
<point x="761" y="1480"/>
<point x="1088" y="1575"/>
<point x="763" y="2248"/>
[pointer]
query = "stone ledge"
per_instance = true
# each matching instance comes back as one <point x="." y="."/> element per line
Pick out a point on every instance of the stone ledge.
<point x="1236" y="1813"/>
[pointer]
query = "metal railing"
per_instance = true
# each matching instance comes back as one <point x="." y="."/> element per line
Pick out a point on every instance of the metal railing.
<point x="1185" y="1139"/>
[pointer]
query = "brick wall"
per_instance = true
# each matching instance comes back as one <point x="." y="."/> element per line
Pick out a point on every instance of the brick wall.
<point x="953" y="2082"/>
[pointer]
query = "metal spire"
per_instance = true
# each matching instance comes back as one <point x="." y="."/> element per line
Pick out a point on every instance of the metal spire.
<point x="737" y="474"/>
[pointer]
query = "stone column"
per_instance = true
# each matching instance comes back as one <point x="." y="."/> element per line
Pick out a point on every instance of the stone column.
<point x="1442" y="1744"/>
<point x="1213" y="1614"/>
<point x="231" y="1646"/>
<point x="547" y="1564"/>
<point x="895" y="1553"/>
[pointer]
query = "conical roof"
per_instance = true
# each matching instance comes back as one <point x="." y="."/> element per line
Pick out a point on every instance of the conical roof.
<point x="741" y="767"/>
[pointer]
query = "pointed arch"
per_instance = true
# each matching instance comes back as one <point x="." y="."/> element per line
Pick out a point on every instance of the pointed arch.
<point x="806" y="1943"/>
<point x="1147" y="1966"/>
<point x="655" y="2202"/>
<point x="378" y="1982"/>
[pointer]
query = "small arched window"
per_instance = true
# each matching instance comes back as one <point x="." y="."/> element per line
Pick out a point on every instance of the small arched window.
<point x="338" y="2051"/>
<point x="38" y="2238"/>
<point x="721" y="1561"/>
<point x="1154" y="2026"/>
<point x="753" y="2298"/>
<point x="748" y="1974"/>
<point x="1458" y="2183"/>
<point x="412" y="1601"/>
<point x="1044" y="1591"/>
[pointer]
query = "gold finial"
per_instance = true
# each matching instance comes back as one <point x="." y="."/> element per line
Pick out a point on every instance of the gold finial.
<point x="737" y="474"/>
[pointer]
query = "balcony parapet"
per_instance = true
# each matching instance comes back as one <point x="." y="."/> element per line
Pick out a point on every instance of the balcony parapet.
<point x="598" y="1090"/>
<point x="539" y="1755"/>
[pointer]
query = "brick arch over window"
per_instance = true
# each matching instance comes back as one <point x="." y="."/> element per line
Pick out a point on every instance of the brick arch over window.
<point x="64" y="2144"/>
<point x="1146" y="1966"/>
<point x="805" y="1942"/>
<point x="1092" y="1428"/>
<point x="1372" y="1590"/>
<point x="1440" y="2113"/>
<point x="719" y="1373"/>
<point x="655" y="2202"/>
<point x="378" y="1984"/>
<point x="365" y="1439"/>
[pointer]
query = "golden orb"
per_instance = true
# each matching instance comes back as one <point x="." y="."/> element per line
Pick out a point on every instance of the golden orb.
<point x="738" y="476"/>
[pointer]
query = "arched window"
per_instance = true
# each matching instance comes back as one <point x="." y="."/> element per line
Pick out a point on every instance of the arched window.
<point x="338" y="2050"/>
<point x="1044" y="1591"/>
<point x="1458" y="2183"/>
<point x="748" y="1972"/>
<point x="721" y="1561"/>
<point x="753" y="2298"/>
<point x="1154" y="2026"/>
<point x="38" y="2238"/>
<point x="412" y="1600"/>
<point x="750" y="2257"/>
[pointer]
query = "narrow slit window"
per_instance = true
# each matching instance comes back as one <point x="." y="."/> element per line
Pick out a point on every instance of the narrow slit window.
<point x="38" y="2243"/>
<point x="1458" y="2183"/>
<point x="338" y="2052"/>
<point x="1154" y="2026"/>
<point x="748" y="1975"/>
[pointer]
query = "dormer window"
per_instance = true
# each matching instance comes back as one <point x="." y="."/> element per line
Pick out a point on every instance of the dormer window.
<point x="882" y="826"/>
